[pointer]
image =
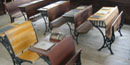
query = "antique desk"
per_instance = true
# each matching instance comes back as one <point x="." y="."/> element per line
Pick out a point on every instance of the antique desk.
<point x="104" y="19"/>
<point x="69" y="16"/>
<point x="29" y="8"/>
<point x="44" y="12"/>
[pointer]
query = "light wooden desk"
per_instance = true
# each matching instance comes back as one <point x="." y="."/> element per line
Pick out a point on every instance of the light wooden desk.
<point x="104" y="18"/>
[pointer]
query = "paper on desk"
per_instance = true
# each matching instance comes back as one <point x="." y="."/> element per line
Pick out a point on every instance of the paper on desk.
<point x="81" y="7"/>
<point x="105" y="8"/>
<point x="44" y="45"/>
<point x="102" y="12"/>
<point x="95" y="16"/>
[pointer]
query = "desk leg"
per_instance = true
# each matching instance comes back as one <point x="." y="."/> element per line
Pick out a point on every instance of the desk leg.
<point x="44" y="16"/>
<point x="46" y="26"/>
<point x="24" y="16"/>
<point x="109" y="47"/>
<point x="107" y="43"/>
<point x="22" y="11"/>
<point x="104" y="44"/>
<point x="70" y="30"/>
<point x="46" y="59"/>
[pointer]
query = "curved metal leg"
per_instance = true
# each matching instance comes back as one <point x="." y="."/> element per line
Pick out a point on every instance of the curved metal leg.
<point x="46" y="28"/>
<point x="24" y="16"/>
<point x="11" y="18"/>
<point x="46" y="59"/>
<point x="69" y="28"/>
<point x="120" y="32"/>
<point x="77" y="35"/>
<point x="103" y="46"/>
<point x="110" y="49"/>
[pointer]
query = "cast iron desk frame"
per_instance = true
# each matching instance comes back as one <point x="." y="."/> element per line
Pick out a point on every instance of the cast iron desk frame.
<point x="103" y="22"/>
<point x="107" y="42"/>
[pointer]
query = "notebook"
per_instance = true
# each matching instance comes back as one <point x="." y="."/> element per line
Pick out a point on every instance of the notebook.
<point x="56" y="36"/>
<point x="102" y="12"/>
<point x="81" y="7"/>
<point x="95" y="16"/>
<point x="45" y="45"/>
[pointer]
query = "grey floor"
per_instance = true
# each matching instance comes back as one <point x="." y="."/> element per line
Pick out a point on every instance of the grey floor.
<point x="89" y="43"/>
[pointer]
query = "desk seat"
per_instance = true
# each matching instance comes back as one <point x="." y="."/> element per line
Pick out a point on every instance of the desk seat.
<point x="58" y="22"/>
<point x="84" y="27"/>
<point x="16" y="15"/>
<point x="29" y="55"/>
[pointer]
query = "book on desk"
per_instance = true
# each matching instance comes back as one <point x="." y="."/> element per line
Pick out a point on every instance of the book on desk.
<point x="56" y="37"/>
<point x="44" y="45"/>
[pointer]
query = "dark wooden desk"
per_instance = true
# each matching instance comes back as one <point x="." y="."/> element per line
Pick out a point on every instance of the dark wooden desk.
<point x="44" y="12"/>
<point x="30" y="8"/>
<point x="70" y="15"/>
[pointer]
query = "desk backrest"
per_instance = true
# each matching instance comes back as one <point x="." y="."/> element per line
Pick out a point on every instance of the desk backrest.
<point x="57" y="11"/>
<point x="114" y="14"/>
<point x="117" y="22"/>
<point x="63" y="50"/>
<point x="21" y="37"/>
<point x="82" y="16"/>
<point x="115" y="25"/>
<point x="111" y="17"/>
<point x="12" y="7"/>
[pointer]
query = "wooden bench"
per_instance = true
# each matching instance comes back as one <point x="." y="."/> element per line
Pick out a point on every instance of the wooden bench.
<point x="18" y="40"/>
<point x="81" y="23"/>
<point x="13" y="10"/>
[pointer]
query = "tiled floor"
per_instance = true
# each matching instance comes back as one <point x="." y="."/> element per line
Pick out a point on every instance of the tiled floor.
<point x="89" y="43"/>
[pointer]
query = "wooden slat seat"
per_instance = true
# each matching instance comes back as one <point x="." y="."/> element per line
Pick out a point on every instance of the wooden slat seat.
<point x="20" y="38"/>
<point x="29" y="55"/>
